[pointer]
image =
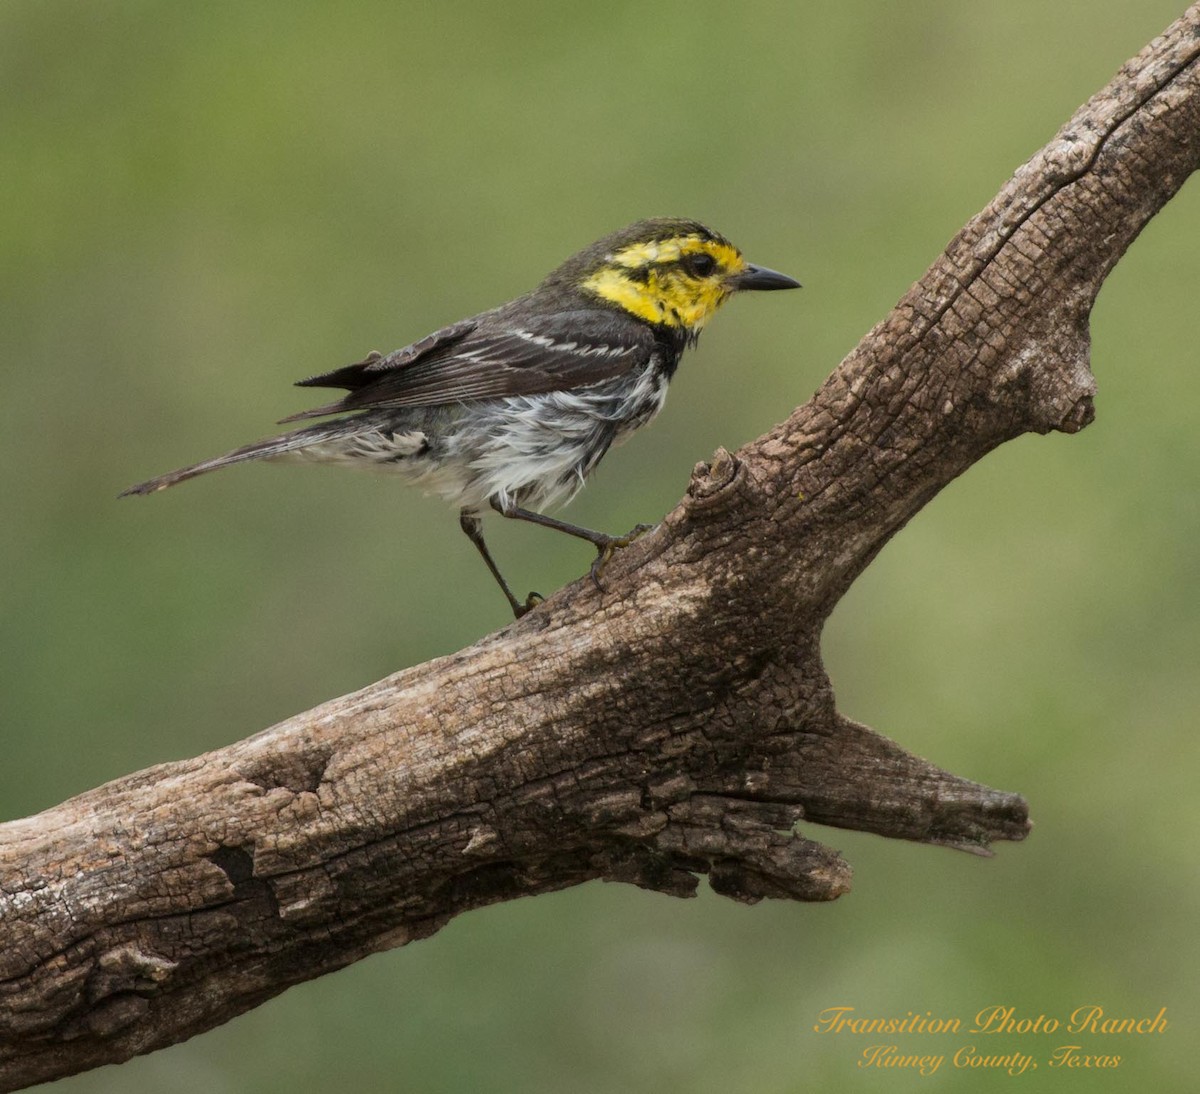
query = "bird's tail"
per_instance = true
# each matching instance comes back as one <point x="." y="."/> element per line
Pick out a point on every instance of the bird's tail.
<point x="259" y="450"/>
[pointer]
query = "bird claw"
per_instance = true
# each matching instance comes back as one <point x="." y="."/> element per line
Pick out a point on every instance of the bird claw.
<point x="609" y="546"/>
<point x="604" y="555"/>
<point x="531" y="602"/>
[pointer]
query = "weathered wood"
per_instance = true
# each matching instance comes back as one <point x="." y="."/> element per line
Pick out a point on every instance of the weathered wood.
<point x="680" y="723"/>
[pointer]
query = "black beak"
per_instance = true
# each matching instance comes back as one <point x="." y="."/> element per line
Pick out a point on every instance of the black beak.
<point x="759" y="277"/>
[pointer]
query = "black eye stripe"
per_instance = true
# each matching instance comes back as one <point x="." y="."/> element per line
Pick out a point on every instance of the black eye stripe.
<point x="699" y="265"/>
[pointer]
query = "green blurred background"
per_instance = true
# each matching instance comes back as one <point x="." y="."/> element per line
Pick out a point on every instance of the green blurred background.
<point x="203" y="203"/>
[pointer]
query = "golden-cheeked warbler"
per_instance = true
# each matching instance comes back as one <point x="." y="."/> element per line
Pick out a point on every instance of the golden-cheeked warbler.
<point x="513" y="408"/>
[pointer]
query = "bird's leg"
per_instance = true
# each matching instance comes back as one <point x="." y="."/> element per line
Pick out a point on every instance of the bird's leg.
<point x="606" y="545"/>
<point x="473" y="526"/>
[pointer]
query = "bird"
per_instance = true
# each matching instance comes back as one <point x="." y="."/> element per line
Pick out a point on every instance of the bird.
<point x="511" y="409"/>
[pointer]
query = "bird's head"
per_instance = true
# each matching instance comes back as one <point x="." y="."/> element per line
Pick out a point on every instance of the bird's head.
<point x="668" y="272"/>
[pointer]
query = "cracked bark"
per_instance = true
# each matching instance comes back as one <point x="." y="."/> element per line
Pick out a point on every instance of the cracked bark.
<point x="680" y="724"/>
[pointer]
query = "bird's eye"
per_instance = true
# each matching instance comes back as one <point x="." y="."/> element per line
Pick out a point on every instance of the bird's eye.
<point x="701" y="265"/>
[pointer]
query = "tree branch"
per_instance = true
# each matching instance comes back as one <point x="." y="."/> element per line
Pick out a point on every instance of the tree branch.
<point x="680" y="723"/>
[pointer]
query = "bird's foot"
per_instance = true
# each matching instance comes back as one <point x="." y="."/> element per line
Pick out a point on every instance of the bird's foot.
<point x="531" y="602"/>
<point x="608" y="546"/>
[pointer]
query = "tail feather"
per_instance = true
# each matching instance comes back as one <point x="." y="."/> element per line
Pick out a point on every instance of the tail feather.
<point x="259" y="450"/>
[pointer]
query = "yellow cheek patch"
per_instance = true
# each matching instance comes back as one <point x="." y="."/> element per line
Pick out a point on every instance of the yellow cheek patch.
<point x="635" y="297"/>
<point x="688" y="302"/>
<point x="661" y="291"/>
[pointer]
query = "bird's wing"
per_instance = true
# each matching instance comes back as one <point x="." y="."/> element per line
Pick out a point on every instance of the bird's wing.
<point x="492" y="357"/>
<point x="363" y="372"/>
